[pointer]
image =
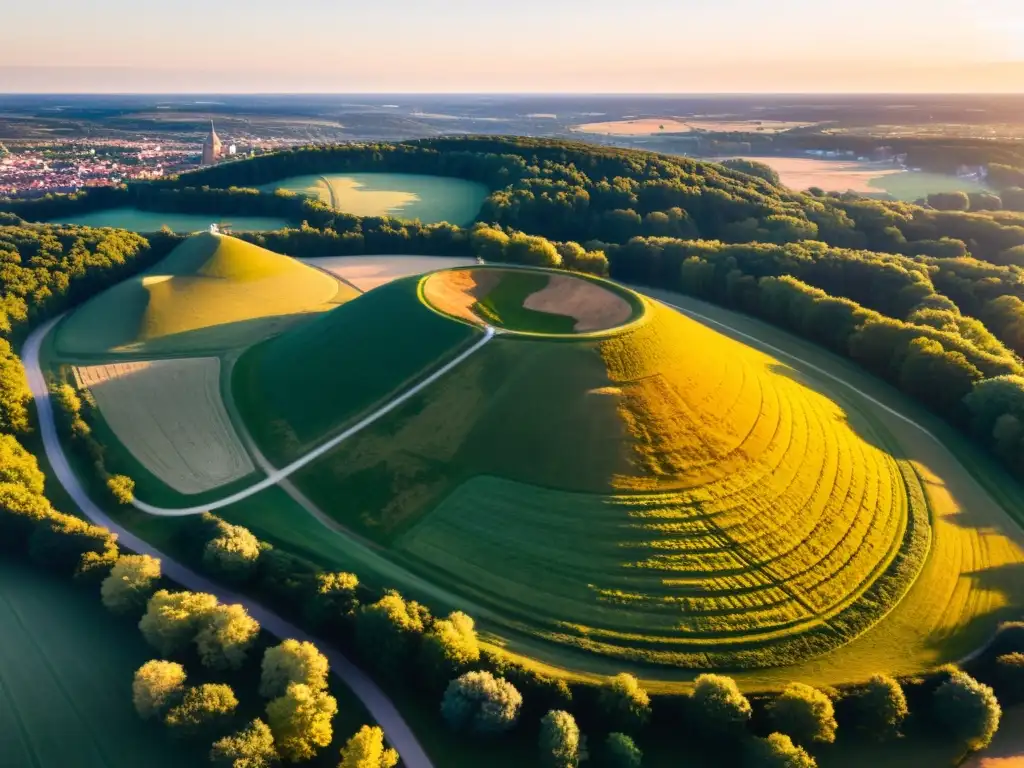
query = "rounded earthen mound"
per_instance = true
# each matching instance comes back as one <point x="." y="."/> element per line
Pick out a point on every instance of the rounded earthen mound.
<point x="528" y="300"/>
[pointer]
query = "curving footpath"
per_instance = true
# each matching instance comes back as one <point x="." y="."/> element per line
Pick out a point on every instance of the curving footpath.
<point x="380" y="707"/>
<point x="277" y="475"/>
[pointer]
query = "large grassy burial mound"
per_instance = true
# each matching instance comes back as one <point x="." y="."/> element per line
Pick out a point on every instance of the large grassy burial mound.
<point x="657" y="492"/>
<point x="213" y="292"/>
<point x="529" y="301"/>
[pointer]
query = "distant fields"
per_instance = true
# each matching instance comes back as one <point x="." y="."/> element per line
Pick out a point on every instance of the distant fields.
<point x="66" y="667"/>
<point x="137" y="220"/>
<point x="867" y="178"/>
<point x="431" y="199"/>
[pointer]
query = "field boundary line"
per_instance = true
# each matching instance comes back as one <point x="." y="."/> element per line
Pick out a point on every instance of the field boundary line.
<point x="280" y="474"/>
<point x="377" y="703"/>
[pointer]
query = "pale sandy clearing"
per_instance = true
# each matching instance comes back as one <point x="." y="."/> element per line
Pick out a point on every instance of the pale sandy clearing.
<point x="369" y="272"/>
<point x="594" y="308"/>
<point x="650" y="126"/>
<point x="801" y="173"/>
<point x="170" y="416"/>
<point x="457" y="290"/>
<point x="1007" y="748"/>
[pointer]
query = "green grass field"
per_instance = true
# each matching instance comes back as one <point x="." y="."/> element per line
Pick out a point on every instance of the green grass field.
<point x="431" y="199"/>
<point x="294" y="390"/>
<point x="66" y="667"/>
<point x="136" y="220"/>
<point x="212" y="293"/>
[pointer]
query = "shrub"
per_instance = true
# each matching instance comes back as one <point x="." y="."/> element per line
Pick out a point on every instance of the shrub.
<point x="227" y="633"/>
<point x="20" y="511"/>
<point x="130" y="583"/>
<point x="233" y="553"/>
<point x="18" y="466"/>
<point x="559" y="740"/>
<point x="949" y="201"/>
<point x="621" y="752"/>
<point x="481" y="703"/>
<point x="173" y="619"/>
<point x="204" y="709"/>
<point x="158" y="685"/>
<point x="449" y="648"/>
<point x="366" y="750"/>
<point x="881" y="707"/>
<point x="1009" y="675"/>
<point x="333" y="601"/>
<point x="624" y="703"/>
<point x="301" y="721"/>
<point x="387" y="629"/>
<point x="717" y="705"/>
<point x="292" y="662"/>
<point x="968" y="710"/>
<point x="122" y="488"/>
<point x="777" y="751"/>
<point x="805" y="714"/>
<point x="61" y="542"/>
<point x="532" y="250"/>
<point x="251" y="747"/>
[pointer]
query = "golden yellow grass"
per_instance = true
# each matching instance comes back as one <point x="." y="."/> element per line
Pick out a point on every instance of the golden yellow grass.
<point x="650" y="126"/>
<point x="170" y="416"/>
<point x="592" y="307"/>
<point x="369" y="272"/>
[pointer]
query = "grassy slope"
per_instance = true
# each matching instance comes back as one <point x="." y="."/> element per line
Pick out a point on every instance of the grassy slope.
<point x="430" y="199"/>
<point x="739" y="462"/>
<point x="503" y="305"/>
<point x="213" y="292"/>
<point x="65" y="681"/>
<point x="295" y="390"/>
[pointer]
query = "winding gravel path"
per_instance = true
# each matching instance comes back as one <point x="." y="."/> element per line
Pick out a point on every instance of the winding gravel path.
<point x="373" y="698"/>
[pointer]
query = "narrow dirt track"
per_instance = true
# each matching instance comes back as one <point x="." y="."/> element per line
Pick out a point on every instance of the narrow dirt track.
<point x="381" y="708"/>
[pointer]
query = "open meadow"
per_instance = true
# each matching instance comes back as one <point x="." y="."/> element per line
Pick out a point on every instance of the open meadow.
<point x="136" y="220"/>
<point x="66" y="667"/>
<point x="430" y="199"/>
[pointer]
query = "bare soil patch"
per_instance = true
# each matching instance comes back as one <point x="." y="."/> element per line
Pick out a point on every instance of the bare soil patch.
<point x="593" y="307"/>
<point x="169" y="415"/>
<point x="457" y="291"/>
<point x="651" y="126"/>
<point x="801" y="173"/>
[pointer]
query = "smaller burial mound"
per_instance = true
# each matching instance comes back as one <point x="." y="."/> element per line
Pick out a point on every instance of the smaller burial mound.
<point x="212" y="293"/>
<point x="529" y="301"/>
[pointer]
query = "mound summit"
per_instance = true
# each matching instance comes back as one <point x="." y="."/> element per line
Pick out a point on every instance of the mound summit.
<point x="212" y="292"/>
<point x="656" y="492"/>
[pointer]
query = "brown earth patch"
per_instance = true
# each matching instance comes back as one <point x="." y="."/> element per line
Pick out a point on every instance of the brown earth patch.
<point x="456" y="291"/>
<point x="594" y="308"/>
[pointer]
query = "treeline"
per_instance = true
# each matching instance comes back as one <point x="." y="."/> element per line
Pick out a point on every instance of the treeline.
<point x="917" y="339"/>
<point x="482" y="694"/>
<point x="568" y="191"/>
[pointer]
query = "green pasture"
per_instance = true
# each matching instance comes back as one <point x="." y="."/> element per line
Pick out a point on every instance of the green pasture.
<point x="136" y="220"/>
<point x="430" y="199"/>
<point x="294" y="390"/>
<point x="503" y="305"/>
<point x="914" y="185"/>
<point x="66" y="668"/>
